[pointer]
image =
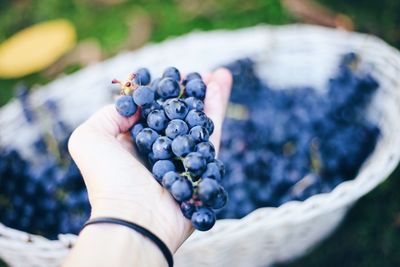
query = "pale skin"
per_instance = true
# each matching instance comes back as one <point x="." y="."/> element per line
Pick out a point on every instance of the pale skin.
<point x="120" y="186"/>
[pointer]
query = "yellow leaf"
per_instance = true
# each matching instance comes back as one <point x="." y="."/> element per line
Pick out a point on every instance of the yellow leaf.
<point x="35" y="48"/>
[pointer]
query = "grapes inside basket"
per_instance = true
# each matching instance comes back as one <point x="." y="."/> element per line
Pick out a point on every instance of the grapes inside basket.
<point x="278" y="145"/>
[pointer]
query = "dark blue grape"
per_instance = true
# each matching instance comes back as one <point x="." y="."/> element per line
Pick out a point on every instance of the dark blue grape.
<point x="196" y="88"/>
<point x="182" y="145"/>
<point x="161" y="167"/>
<point x="157" y="120"/>
<point x="173" y="73"/>
<point x="125" y="106"/>
<point x="213" y="171"/>
<point x="176" y="128"/>
<point x="142" y="76"/>
<point x="221" y="199"/>
<point x="203" y="219"/>
<point x="143" y="95"/>
<point x="191" y="76"/>
<point x="208" y="190"/>
<point x="175" y="109"/>
<point x="207" y="150"/>
<point x="188" y="209"/>
<point x="168" y="88"/>
<point x="181" y="189"/>
<point x="162" y="148"/>
<point x="199" y="134"/>
<point x="196" y="118"/>
<point x="195" y="163"/>
<point x="145" y="139"/>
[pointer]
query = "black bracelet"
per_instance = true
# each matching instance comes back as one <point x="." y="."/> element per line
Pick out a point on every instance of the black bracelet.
<point x="157" y="241"/>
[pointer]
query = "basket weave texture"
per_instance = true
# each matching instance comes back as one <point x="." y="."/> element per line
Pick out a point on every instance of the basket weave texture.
<point x="285" y="56"/>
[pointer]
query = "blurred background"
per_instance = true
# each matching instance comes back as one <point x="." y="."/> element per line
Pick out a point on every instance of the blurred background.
<point x="370" y="234"/>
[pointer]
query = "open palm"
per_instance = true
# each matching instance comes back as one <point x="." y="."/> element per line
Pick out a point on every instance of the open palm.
<point x="119" y="185"/>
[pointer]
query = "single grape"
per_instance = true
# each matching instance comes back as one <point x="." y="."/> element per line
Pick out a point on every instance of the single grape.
<point x="125" y="106"/>
<point x="212" y="171"/>
<point x="142" y="76"/>
<point x="203" y="219"/>
<point x="194" y="103"/>
<point x="169" y="178"/>
<point x="221" y="199"/>
<point x="162" y="148"/>
<point x="182" y="145"/>
<point x="161" y="167"/>
<point x="173" y="73"/>
<point x="191" y="76"/>
<point x="196" y="88"/>
<point x="175" y="109"/>
<point x="168" y="88"/>
<point x="176" y="128"/>
<point x="182" y="189"/>
<point x="135" y="130"/>
<point x="196" y="118"/>
<point x="157" y="120"/>
<point x="207" y="150"/>
<point x="143" y="95"/>
<point x="188" y="209"/>
<point x="207" y="191"/>
<point x="199" y="134"/>
<point x="145" y="139"/>
<point x="195" y="163"/>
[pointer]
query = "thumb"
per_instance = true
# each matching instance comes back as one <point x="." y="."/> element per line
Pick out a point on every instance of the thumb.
<point x="94" y="139"/>
<point x="108" y="121"/>
<point x="216" y="101"/>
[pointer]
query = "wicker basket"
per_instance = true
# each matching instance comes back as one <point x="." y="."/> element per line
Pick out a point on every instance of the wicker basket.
<point x="305" y="54"/>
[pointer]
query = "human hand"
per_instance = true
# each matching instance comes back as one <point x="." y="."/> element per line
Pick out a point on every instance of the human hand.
<point x="119" y="185"/>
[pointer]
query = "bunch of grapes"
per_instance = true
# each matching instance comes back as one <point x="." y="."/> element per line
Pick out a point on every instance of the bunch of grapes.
<point x="45" y="195"/>
<point x="283" y="144"/>
<point x="172" y="136"/>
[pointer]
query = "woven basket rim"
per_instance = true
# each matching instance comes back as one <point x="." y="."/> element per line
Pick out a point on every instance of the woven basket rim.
<point x="275" y="215"/>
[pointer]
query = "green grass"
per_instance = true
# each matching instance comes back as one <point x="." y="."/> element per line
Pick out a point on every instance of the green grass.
<point x="109" y="25"/>
<point x="370" y="234"/>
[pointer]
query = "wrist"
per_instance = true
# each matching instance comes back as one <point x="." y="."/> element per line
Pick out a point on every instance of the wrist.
<point x="113" y="241"/>
<point x="140" y="214"/>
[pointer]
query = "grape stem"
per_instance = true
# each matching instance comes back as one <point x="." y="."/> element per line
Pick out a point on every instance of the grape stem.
<point x="128" y="86"/>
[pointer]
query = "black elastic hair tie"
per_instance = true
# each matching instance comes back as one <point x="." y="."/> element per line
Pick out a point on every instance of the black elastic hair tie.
<point x="157" y="241"/>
